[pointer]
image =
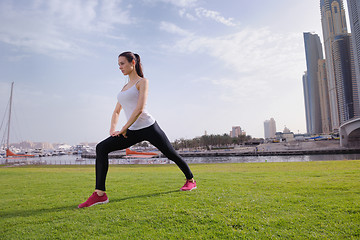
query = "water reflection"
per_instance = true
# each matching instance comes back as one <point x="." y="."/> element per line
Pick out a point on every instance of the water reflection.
<point x="77" y="160"/>
<point x="298" y="158"/>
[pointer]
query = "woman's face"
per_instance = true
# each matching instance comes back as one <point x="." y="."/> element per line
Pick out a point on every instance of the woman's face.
<point x="125" y="66"/>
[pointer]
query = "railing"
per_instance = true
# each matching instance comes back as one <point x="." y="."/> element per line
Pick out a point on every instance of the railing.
<point x="81" y="161"/>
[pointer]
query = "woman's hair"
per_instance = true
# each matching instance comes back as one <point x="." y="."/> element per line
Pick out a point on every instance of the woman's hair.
<point x="133" y="56"/>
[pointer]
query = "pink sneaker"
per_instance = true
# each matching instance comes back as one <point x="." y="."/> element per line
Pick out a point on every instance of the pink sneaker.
<point x="93" y="200"/>
<point x="188" y="186"/>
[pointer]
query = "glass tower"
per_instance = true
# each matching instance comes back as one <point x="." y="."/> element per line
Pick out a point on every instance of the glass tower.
<point x="333" y="24"/>
<point x="324" y="97"/>
<point x="354" y="12"/>
<point x="313" y="51"/>
<point x="344" y="75"/>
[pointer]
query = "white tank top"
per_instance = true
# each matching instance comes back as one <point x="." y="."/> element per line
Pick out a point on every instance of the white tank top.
<point x="128" y="99"/>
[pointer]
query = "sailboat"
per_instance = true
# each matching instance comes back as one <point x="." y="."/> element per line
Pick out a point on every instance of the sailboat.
<point x="10" y="154"/>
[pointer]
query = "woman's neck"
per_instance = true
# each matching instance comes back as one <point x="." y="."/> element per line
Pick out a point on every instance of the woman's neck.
<point x="133" y="76"/>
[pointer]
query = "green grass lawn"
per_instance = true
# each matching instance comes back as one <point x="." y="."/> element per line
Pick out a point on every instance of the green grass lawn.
<point x="299" y="200"/>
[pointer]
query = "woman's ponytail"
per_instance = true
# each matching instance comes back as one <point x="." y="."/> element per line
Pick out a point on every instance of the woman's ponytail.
<point x="138" y="65"/>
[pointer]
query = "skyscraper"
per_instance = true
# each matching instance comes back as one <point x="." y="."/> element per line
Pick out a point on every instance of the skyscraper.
<point x="345" y="76"/>
<point x="354" y="13"/>
<point x="333" y="24"/>
<point x="313" y="51"/>
<point x="324" y="97"/>
<point x="270" y="128"/>
<point x="307" y="104"/>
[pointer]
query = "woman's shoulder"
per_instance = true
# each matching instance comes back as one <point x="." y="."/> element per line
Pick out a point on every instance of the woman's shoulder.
<point x="142" y="81"/>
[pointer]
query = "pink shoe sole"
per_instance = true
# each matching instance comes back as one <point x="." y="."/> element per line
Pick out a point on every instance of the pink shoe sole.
<point x="188" y="186"/>
<point x="187" y="189"/>
<point x="96" y="203"/>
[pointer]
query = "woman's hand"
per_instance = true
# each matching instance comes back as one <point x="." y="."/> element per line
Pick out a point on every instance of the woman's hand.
<point x="114" y="133"/>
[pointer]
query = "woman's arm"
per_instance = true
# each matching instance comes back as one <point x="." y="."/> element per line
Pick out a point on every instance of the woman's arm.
<point x="115" y="119"/>
<point x="143" y="90"/>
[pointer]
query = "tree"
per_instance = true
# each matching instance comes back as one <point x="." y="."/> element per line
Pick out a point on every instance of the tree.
<point x="210" y="141"/>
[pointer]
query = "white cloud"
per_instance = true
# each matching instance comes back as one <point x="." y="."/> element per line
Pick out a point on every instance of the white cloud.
<point x="183" y="13"/>
<point x="202" y="12"/>
<point x="177" y="3"/>
<point x="56" y="27"/>
<point x="258" y="60"/>
<point x="172" y="28"/>
<point x="90" y="15"/>
<point x="205" y="13"/>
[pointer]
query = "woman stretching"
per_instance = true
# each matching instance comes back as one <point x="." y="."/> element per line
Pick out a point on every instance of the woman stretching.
<point x="140" y="126"/>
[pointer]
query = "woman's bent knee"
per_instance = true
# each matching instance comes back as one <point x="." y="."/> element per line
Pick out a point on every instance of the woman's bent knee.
<point x="101" y="148"/>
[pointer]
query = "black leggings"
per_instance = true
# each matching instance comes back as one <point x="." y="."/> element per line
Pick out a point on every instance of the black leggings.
<point x="153" y="134"/>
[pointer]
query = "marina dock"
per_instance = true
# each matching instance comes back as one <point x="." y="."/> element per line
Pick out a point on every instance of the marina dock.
<point x="269" y="153"/>
<point x="244" y="153"/>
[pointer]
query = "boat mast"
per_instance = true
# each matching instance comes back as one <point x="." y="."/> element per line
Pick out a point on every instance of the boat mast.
<point x="8" y="133"/>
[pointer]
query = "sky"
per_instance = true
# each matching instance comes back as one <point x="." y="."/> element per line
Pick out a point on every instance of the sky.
<point x="211" y="64"/>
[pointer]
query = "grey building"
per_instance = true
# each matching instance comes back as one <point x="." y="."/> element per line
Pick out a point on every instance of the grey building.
<point x="333" y="24"/>
<point x="313" y="52"/>
<point x="269" y="128"/>
<point x="354" y="16"/>
<point x="306" y="101"/>
<point x="324" y="97"/>
<point x="345" y="76"/>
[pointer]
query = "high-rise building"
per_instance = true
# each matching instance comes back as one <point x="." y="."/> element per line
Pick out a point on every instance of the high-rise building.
<point x="307" y="104"/>
<point x="270" y="128"/>
<point x="354" y="13"/>
<point x="313" y="52"/>
<point x="236" y="131"/>
<point x="345" y="76"/>
<point x="324" y="97"/>
<point x="333" y="24"/>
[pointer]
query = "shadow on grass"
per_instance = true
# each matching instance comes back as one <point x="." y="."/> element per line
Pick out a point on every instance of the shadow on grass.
<point x="142" y="196"/>
<point x="31" y="212"/>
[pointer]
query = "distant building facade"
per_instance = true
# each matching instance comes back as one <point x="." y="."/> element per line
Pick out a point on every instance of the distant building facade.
<point x="333" y="24"/>
<point x="269" y="128"/>
<point x="324" y="97"/>
<point x="345" y="77"/>
<point x="313" y="52"/>
<point x="306" y="101"/>
<point x="285" y="136"/>
<point x="354" y="16"/>
<point x="236" y="132"/>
